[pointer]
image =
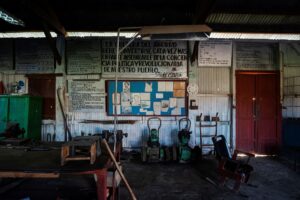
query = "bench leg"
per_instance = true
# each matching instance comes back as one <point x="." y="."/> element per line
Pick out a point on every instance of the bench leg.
<point x="101" y="176"/>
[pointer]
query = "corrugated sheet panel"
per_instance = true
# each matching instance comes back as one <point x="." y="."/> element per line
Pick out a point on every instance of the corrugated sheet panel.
<point x="10" y="79"/>
<point x="214" y="80"/>
<point x="257" y="36"/>
<point x="228" y="18"/>
<point x="210" y="106"/>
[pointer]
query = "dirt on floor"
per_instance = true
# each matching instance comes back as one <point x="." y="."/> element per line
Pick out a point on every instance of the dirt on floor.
<point x="271" y="179"/>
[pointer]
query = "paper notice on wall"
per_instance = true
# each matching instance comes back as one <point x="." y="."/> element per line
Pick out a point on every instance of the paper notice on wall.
<point x="159" y="95"/>
<point x="179" y="85"/>
<point x="126" y="86"/>
<point x="169" y="86"/>
<point x="145" y="96"/>
<point x="125" y="96"/>
<point x="117" y="100"/>
<point x="157" y="108"/>
<point x="179" y="93"/>
<point x="173" y="102"/>
<point x="145" y="104"/>
<point x="148" y="87"/>
<point x="180" y="103"/>
<point x="165" y="105"/>
<point x="135" y="99"/>
<point x="143" y="110"/>
<point x="126" y="109"/>
<point x="125" y="103"/>
<point x="161" y="86"/>
<point x="149" y="113"/>
<point x="176" y="111"/>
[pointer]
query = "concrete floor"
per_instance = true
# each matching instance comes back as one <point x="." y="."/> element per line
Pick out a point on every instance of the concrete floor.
<point x="271" y="179"/>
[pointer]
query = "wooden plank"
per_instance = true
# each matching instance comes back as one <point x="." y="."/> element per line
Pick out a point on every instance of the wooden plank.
<point x="13" y="174"/>
<point x="170" y="29"/>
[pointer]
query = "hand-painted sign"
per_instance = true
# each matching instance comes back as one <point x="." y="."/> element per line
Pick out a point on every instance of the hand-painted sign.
<point x="145" y="59"/>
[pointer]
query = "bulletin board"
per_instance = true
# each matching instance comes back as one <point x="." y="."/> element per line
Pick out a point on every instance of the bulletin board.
<point x="147" y="98"/>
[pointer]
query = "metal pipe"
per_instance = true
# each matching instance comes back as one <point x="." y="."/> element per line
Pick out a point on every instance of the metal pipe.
<point x="116" y="91"/>
<point x="116" y="76"/>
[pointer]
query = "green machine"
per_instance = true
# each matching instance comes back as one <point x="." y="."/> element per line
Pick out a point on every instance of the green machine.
<point x="184" y="134"/>
<point x="24" y="110"/>
<point x="151" y="152"/>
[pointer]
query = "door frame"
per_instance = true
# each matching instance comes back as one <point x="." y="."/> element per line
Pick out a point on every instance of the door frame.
<point x="279" y="106"/>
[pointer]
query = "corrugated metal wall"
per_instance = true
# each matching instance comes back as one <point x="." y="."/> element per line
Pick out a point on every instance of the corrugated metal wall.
<point x="214" y="95"/>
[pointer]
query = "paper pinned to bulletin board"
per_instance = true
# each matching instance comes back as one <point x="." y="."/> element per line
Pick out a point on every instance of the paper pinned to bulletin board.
<point x="142" y="98"/>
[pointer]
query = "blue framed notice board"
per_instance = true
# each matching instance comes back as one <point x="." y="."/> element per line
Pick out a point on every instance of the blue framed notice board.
<point x="146" y="98"/>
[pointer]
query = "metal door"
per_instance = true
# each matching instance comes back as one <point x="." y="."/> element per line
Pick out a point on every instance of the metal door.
<point x="245" y="106"/>
<point x="258" y="114"/>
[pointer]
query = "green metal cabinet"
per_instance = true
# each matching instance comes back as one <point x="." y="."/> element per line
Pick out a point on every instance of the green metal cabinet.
<point x="25" y="110"/>
<point x="3" y="112"/>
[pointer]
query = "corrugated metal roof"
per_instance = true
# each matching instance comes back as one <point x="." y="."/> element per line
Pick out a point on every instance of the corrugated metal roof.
<point x="259" y="19"/>
<point x="254" y="36"/>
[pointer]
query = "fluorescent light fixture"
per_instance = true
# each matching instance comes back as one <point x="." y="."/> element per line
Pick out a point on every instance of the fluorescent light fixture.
<point x="254" y="36"/>
<point x="26" y="35"/>
<point x="10" y="18"/>
<point x="99" y="34"/>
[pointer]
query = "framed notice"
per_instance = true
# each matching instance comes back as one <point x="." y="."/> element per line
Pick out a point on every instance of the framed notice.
<point x="34" y="56"/>
<point x="86" y="96"/>
<point x="145" y="98"/>
<point x="215" y="53"/>
<point x="83" y="56"/>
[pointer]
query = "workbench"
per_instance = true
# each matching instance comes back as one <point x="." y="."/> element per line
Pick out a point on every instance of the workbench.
<point x="17" y="163"/>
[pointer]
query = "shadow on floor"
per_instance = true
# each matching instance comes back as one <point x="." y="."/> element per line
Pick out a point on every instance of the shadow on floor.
<point x="271" y="179"/>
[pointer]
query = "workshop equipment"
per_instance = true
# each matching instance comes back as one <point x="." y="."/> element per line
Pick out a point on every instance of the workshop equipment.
<point x="207" y="129"/>
<point x="184" y="134"/>
<point x="151" y="152"/>
<point x="13" y="130"/>
<point x="229" y="166"/>
<point x="81" y="148"/>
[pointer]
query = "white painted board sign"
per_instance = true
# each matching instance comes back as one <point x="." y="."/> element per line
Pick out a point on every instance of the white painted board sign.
<point x="34" y="56"/>
<point x="83" y="56"/>
<point x="145" y="59"/>
<point x="6" y="54"/>
<point x="213" y="53"/>
<point x="256" y="55"/>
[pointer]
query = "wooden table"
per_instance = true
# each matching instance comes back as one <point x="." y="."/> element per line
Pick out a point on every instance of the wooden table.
<point x="17" y="163"/>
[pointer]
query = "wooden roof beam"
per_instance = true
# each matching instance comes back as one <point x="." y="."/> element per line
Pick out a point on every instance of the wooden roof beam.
<point x="46" y="13"/>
